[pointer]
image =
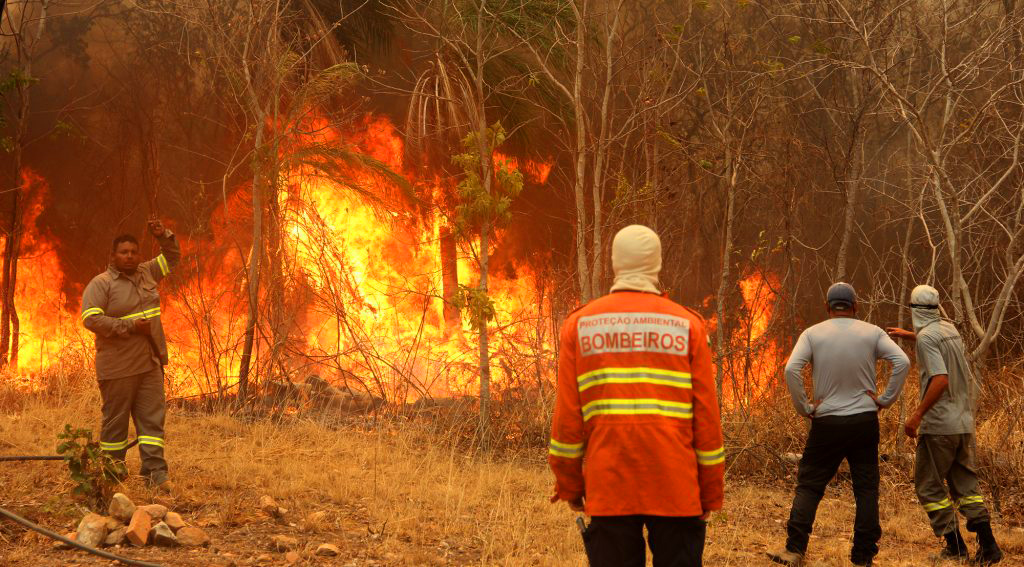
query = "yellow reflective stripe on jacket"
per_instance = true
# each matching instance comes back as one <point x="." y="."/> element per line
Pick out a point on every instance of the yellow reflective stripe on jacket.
<point x="567" y="450"/>
<point x="90" y="312"/>
<point x="148" y="314"/>
<point x="709" y="458"/>
<point x="162" y="262"/>
<point x="150" y="440"/>
<point x="978" y="499"/>
<point x="933" y="506"/>
<point x="638" y="406"/>
<point x="114" y="446"/>
<point x="639" y="375"/>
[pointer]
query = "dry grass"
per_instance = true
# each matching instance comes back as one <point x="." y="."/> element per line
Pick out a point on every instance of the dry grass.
<point x="400" y="496"/>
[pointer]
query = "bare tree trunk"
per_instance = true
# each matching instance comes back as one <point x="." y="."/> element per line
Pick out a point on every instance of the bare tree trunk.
<point x="449" y="275"/>
<point x="723" y="283"/>
<point x="276" y="279"/>
<point x="255" y="255"/>
<point x="10" y="325"/>
<point x="597" y="252"/>
<point x="852" y="188"/>
<point x="487" y="178"/>
<point x="485" y="356"/>
<point x="579" y="113"/>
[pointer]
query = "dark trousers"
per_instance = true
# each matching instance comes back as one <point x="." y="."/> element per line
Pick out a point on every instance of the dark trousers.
<point x="618" y="541"/>
<point x="832" y="439"/>
<point x="141" y="398"/>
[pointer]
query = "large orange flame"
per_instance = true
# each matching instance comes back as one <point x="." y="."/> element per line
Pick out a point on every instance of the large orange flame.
<point x="360" y="303"/>
<point x="752" y="359"/>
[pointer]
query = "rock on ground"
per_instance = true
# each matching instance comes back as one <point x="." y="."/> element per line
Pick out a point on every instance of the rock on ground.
<point x="121" y="507"/>
<point x="138" y="528"/>
<point x="283" y="543"/>
<point x="174" y="521"/>
<point x="328" y="550"/>
<point x="314" y="521"/>
<point x="114" y="523"/>
<point x="92" y="530"/>
<point x="116" y="537"/>
<point x="156" y="511"/>
<point x="268" y="504"/>
<point x="193" y="537"/>
<point x="163" y="536"/>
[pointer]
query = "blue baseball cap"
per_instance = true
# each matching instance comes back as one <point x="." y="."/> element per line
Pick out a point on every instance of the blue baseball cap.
<point x="841" y="296"/>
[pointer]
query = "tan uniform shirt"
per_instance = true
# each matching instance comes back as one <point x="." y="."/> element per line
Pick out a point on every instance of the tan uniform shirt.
<point x="113" y="301"/>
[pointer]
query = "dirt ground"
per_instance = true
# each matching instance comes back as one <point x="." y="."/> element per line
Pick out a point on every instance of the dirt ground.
<point x="395" y="497"/>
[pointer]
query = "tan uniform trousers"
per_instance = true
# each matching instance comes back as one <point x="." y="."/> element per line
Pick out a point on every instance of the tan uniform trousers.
<point x="948" y="460"/>
<point x="140" y="397"/>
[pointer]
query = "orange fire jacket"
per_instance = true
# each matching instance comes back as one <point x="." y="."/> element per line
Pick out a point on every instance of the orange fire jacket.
<point x="636" y="427"/>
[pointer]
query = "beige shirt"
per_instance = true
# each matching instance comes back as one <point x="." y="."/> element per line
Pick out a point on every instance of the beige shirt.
<point x="113" y="301"/>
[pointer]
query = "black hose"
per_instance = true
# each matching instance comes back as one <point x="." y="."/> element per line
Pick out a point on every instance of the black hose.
<point x="53" y="535"/>
<point x="49" y="457"/>
<point x="16" y="518"/>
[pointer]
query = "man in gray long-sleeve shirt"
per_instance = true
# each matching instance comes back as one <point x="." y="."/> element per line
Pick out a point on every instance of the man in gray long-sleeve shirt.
<point x="842" y="351"/>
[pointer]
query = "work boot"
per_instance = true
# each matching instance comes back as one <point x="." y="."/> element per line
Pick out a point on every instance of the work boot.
<point x="956" y="548"/>
<point x="988" y="551"/>
<point x="787" y="557"/>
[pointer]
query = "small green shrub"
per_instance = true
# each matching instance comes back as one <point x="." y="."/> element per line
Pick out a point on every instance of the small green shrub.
<point x="94" y="473"/>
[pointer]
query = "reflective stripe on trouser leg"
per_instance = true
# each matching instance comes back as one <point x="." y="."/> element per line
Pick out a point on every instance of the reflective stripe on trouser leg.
<point x="118" y="397"/>
<point x="148" y="413"/>
<point x="963" y="483"/>
<point x="935" y="455"/>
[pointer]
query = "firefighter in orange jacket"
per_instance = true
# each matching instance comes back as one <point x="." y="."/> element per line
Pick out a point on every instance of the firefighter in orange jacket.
<point x="637" y="439"/>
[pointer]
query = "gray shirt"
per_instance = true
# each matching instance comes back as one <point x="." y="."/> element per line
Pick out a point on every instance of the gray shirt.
<point x="940" y="350"/>
<point x="842" y="352"/>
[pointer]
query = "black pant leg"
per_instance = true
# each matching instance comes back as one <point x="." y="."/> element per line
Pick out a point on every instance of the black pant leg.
<point x="862" y="455"/>
<point x="676" y="542"/>
<point x="824" y="451"/>
<point x="616" y="541"/>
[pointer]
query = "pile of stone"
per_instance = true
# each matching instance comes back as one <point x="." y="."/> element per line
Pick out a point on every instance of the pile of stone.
<point x="126" y="523"/>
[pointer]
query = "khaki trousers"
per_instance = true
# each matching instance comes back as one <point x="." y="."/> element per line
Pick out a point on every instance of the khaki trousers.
<point x="140" y="397"/>
<point x="948" y="461"/>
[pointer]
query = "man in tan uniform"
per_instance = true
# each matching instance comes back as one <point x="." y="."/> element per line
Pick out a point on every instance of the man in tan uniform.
<point x="122" y="307"/>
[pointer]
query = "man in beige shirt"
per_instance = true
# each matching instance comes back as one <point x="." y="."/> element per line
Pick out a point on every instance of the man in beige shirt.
<point x="121" y="307"/>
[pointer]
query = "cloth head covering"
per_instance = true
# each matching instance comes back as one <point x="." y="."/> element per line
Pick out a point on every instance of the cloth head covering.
<point x="924" y="306"/>
<point x="636" y="259"/>
<point x="841" y="296"/>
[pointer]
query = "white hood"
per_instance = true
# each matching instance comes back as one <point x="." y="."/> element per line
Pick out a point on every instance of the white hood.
<point x="923" y="316"/>
<point x="636" y="259"/>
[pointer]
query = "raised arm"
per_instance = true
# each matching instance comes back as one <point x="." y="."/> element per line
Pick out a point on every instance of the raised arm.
<point x="170" y="252"/>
